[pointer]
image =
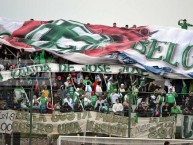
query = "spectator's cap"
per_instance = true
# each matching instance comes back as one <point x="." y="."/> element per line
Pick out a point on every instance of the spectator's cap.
<point x="184" y="20"/>
<point x="122" y="84"/>
<point x="59" y="77"/>
<point x="68" y="78"/>
<point x="77" y="89"/>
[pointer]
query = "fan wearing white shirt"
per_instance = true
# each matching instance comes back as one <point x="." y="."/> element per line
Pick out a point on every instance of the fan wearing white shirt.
<point x="87" y="101"/>
<point x="99" y="103"/>
<point x="122" y="91"/>
<point x="117" y="108"/>
<point x="68" y="100"/>
<point x="88" y="89"/>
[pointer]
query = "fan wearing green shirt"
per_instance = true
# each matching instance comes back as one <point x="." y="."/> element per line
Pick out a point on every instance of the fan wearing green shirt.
<point x="43" y="101"/>
<point x="183" y="23"/>
<point x="113" y="86"/>
<point x="76" y="96"/>
<point x="86" y="80"/>
<point x="93" y="98"/>
<point x="170" y="98"/>
<point x="42" y="57"/>
<point x="175" y="110"/>
<point x="36" y="58"/>
<point x="70" y="90"/>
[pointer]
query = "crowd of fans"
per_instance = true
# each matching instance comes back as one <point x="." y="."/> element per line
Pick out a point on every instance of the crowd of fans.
<point x="182" y="23"/>
<point x="126" y="26"/>
<point x="78" y="91"/>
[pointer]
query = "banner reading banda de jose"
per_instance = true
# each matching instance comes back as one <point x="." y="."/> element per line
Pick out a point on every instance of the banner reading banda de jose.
<point x="53" y="67"/>
<point x="163" y="51"/>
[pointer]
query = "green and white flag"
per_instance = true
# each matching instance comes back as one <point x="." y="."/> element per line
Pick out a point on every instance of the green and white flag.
<point x="20" y="94"/>
<point x="163" y="51"/>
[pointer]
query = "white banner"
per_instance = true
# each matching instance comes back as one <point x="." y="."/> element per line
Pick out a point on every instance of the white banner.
<point x="6" y="120"/>
<point x="78" y="122"/>
<point x="155" y="127"/>
<point x="53" y="67"/>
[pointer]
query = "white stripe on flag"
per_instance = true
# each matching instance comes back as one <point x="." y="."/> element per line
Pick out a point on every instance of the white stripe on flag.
<point x="81" y="32"/>
<point x="40" y="33"/>
<point x="66" y="43"/>
<point x="59" y="22"/>
<point x="9" y="26"/>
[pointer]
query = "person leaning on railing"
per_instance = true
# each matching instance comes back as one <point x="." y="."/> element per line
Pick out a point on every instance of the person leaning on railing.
<point x="186" y="111"/>
<point x="117" y="108"/>
<point x="66" y="108"/>
<point x="78" y="107"/>
<point x="87" y="103"/>
<point x="49" y="106"/>
<point x="140" y="110"/>
<point x="175" y="110"/>
<point x="166" y="109"/>
<point x="43" y="101"/>
<point x="98" y="105"/>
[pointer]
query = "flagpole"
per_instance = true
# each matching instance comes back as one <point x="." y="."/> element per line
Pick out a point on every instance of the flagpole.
<point x="129" y="116"/>
<point x="105" y="80"/>
<point x="30" y="132"/>
<point x="51" y="88"/>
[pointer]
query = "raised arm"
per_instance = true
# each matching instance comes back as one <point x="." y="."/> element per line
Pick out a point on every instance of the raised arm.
<point x="184" y="84"/>
<point x="190" y="25"/>
<point x="179" y="23"/>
